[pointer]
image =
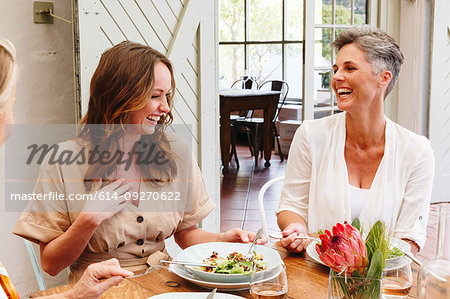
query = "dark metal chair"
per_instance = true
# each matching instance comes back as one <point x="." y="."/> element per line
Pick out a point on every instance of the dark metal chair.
<point x="254" y="126"/>
<point x="245" y="83"/>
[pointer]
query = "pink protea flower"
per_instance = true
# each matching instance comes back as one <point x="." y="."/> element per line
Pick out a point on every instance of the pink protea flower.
<point x="344" y="250"/>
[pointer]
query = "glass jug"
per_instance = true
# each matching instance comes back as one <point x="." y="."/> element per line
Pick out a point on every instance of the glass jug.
<point x="433" y="280"/>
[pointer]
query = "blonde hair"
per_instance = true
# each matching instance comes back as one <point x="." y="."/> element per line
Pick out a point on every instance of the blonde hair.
<point x="8" y="71"/>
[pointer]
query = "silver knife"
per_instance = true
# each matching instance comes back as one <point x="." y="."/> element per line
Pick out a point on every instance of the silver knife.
<point x="187" y="263"/>
<point x="211" y="295"/>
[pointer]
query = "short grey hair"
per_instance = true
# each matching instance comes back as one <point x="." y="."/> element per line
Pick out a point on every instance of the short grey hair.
<point x="383" y="51"/>
<point x="8" y="71"/>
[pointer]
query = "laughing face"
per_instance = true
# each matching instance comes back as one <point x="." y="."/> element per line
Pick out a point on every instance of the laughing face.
<point x="157" y="105"/>
<point x="355" y="84"/>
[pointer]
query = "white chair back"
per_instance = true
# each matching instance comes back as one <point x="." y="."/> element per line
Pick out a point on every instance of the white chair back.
<point x="35" y="263"/>
<point x="262" y="212"/>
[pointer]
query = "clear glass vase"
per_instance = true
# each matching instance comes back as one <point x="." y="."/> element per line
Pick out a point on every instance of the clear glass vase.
<point x="347" y="287"/>
<point x="433" y="280"/>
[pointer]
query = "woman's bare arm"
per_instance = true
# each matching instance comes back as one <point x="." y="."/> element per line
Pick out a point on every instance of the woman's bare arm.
<point x="194" y="235"/>
<point x="284" y="218"/>
<point x="67" y="248"/>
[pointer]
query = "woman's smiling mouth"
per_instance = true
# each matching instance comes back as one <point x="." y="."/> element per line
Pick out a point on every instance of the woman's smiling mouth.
<point x="153" y="118"/>
<point x="344" y="92"/>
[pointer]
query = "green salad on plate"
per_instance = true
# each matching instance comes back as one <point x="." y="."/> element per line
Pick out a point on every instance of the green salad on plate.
<point x="235" y="263"/>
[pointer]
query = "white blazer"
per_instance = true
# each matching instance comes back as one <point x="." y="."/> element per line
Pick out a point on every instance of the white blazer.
<point x="316" y="183"/>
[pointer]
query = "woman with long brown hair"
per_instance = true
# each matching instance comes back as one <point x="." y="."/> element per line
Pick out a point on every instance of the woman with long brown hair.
<point x="109" y="271"/>
<point x="145" y="184"/>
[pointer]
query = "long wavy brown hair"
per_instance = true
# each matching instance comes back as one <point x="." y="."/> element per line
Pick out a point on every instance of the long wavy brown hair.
<point x="121" y="84"/>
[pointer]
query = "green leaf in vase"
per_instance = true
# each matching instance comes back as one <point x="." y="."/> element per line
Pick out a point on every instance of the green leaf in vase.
<point x="357" y="224"/>
<point x="377" y="239"/>
<point x="376" y="265"/>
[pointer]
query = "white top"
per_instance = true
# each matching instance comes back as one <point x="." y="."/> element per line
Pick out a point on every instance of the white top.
<point x="316" y="183"/>
<point x="357" y="197"/>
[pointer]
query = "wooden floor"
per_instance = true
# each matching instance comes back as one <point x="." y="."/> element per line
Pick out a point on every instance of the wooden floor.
<point x="240" y="188"/>
<point x="239" y="194"/>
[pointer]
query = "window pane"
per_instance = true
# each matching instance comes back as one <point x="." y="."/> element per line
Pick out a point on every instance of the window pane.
<point x="322" y="94"/>
<point x="231" y="60"/>
<point x="360" y="12"/>
<point x="322" y="83"/>
<point x="343" y="12"/>
<point x="323" y="12"/>
<point x="294" y="19"/>
<point x="231" y="20"/>
<point x="294" y="63"/>
<point x="265" y="22"/>
<point x="265" y="62"/>
<point x="322" y="48"/>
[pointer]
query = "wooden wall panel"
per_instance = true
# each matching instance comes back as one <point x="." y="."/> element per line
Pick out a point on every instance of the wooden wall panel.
<point x="163" y="33"/>
<point x="116" y="11"/>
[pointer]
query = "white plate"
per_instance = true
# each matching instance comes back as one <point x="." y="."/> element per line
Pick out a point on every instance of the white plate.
<point x="202" y="251"/>
<point x="311" y="251"/>
<point x="182" y="272"/>
<point x="187" y="274"/>
<point x="311" y="248"/>
<point x="180" y="295"/>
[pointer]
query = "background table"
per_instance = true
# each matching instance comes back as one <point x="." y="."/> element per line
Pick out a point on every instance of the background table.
<point x="246" y="99"/>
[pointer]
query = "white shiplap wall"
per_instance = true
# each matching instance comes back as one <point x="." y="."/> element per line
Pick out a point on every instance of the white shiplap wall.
<point x="184" y="30"/>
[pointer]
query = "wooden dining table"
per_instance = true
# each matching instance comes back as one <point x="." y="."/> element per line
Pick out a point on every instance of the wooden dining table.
<point x="246" y="99"/>
<point x="306" y="279"/>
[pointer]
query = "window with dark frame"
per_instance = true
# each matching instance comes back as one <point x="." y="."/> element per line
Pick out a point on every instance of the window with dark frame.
<point x="264" y="39"/>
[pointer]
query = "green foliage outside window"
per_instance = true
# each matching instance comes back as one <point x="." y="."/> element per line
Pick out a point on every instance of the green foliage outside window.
<point x="265" y="24"/>
<point x="342" y="14"/>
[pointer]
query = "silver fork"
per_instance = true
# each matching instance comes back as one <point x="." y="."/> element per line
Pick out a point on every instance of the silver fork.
<point x="279" y="236"/>
<point x="149" y="270"/>
<point x="250" y="255"/>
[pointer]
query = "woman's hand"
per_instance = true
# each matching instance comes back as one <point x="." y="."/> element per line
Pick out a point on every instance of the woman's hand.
<point x="107" y="202"/>
<point x="239" y="235"/>
<point x="91" y="286"/>
<point x="413" y="246"/>
<point x="67" y="248"/>
<point x="289" y="242"/>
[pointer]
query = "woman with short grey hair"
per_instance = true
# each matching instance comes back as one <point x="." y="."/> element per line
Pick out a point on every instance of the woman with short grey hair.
<point x="358" y="163"/>
<point x="382" y="50"/>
